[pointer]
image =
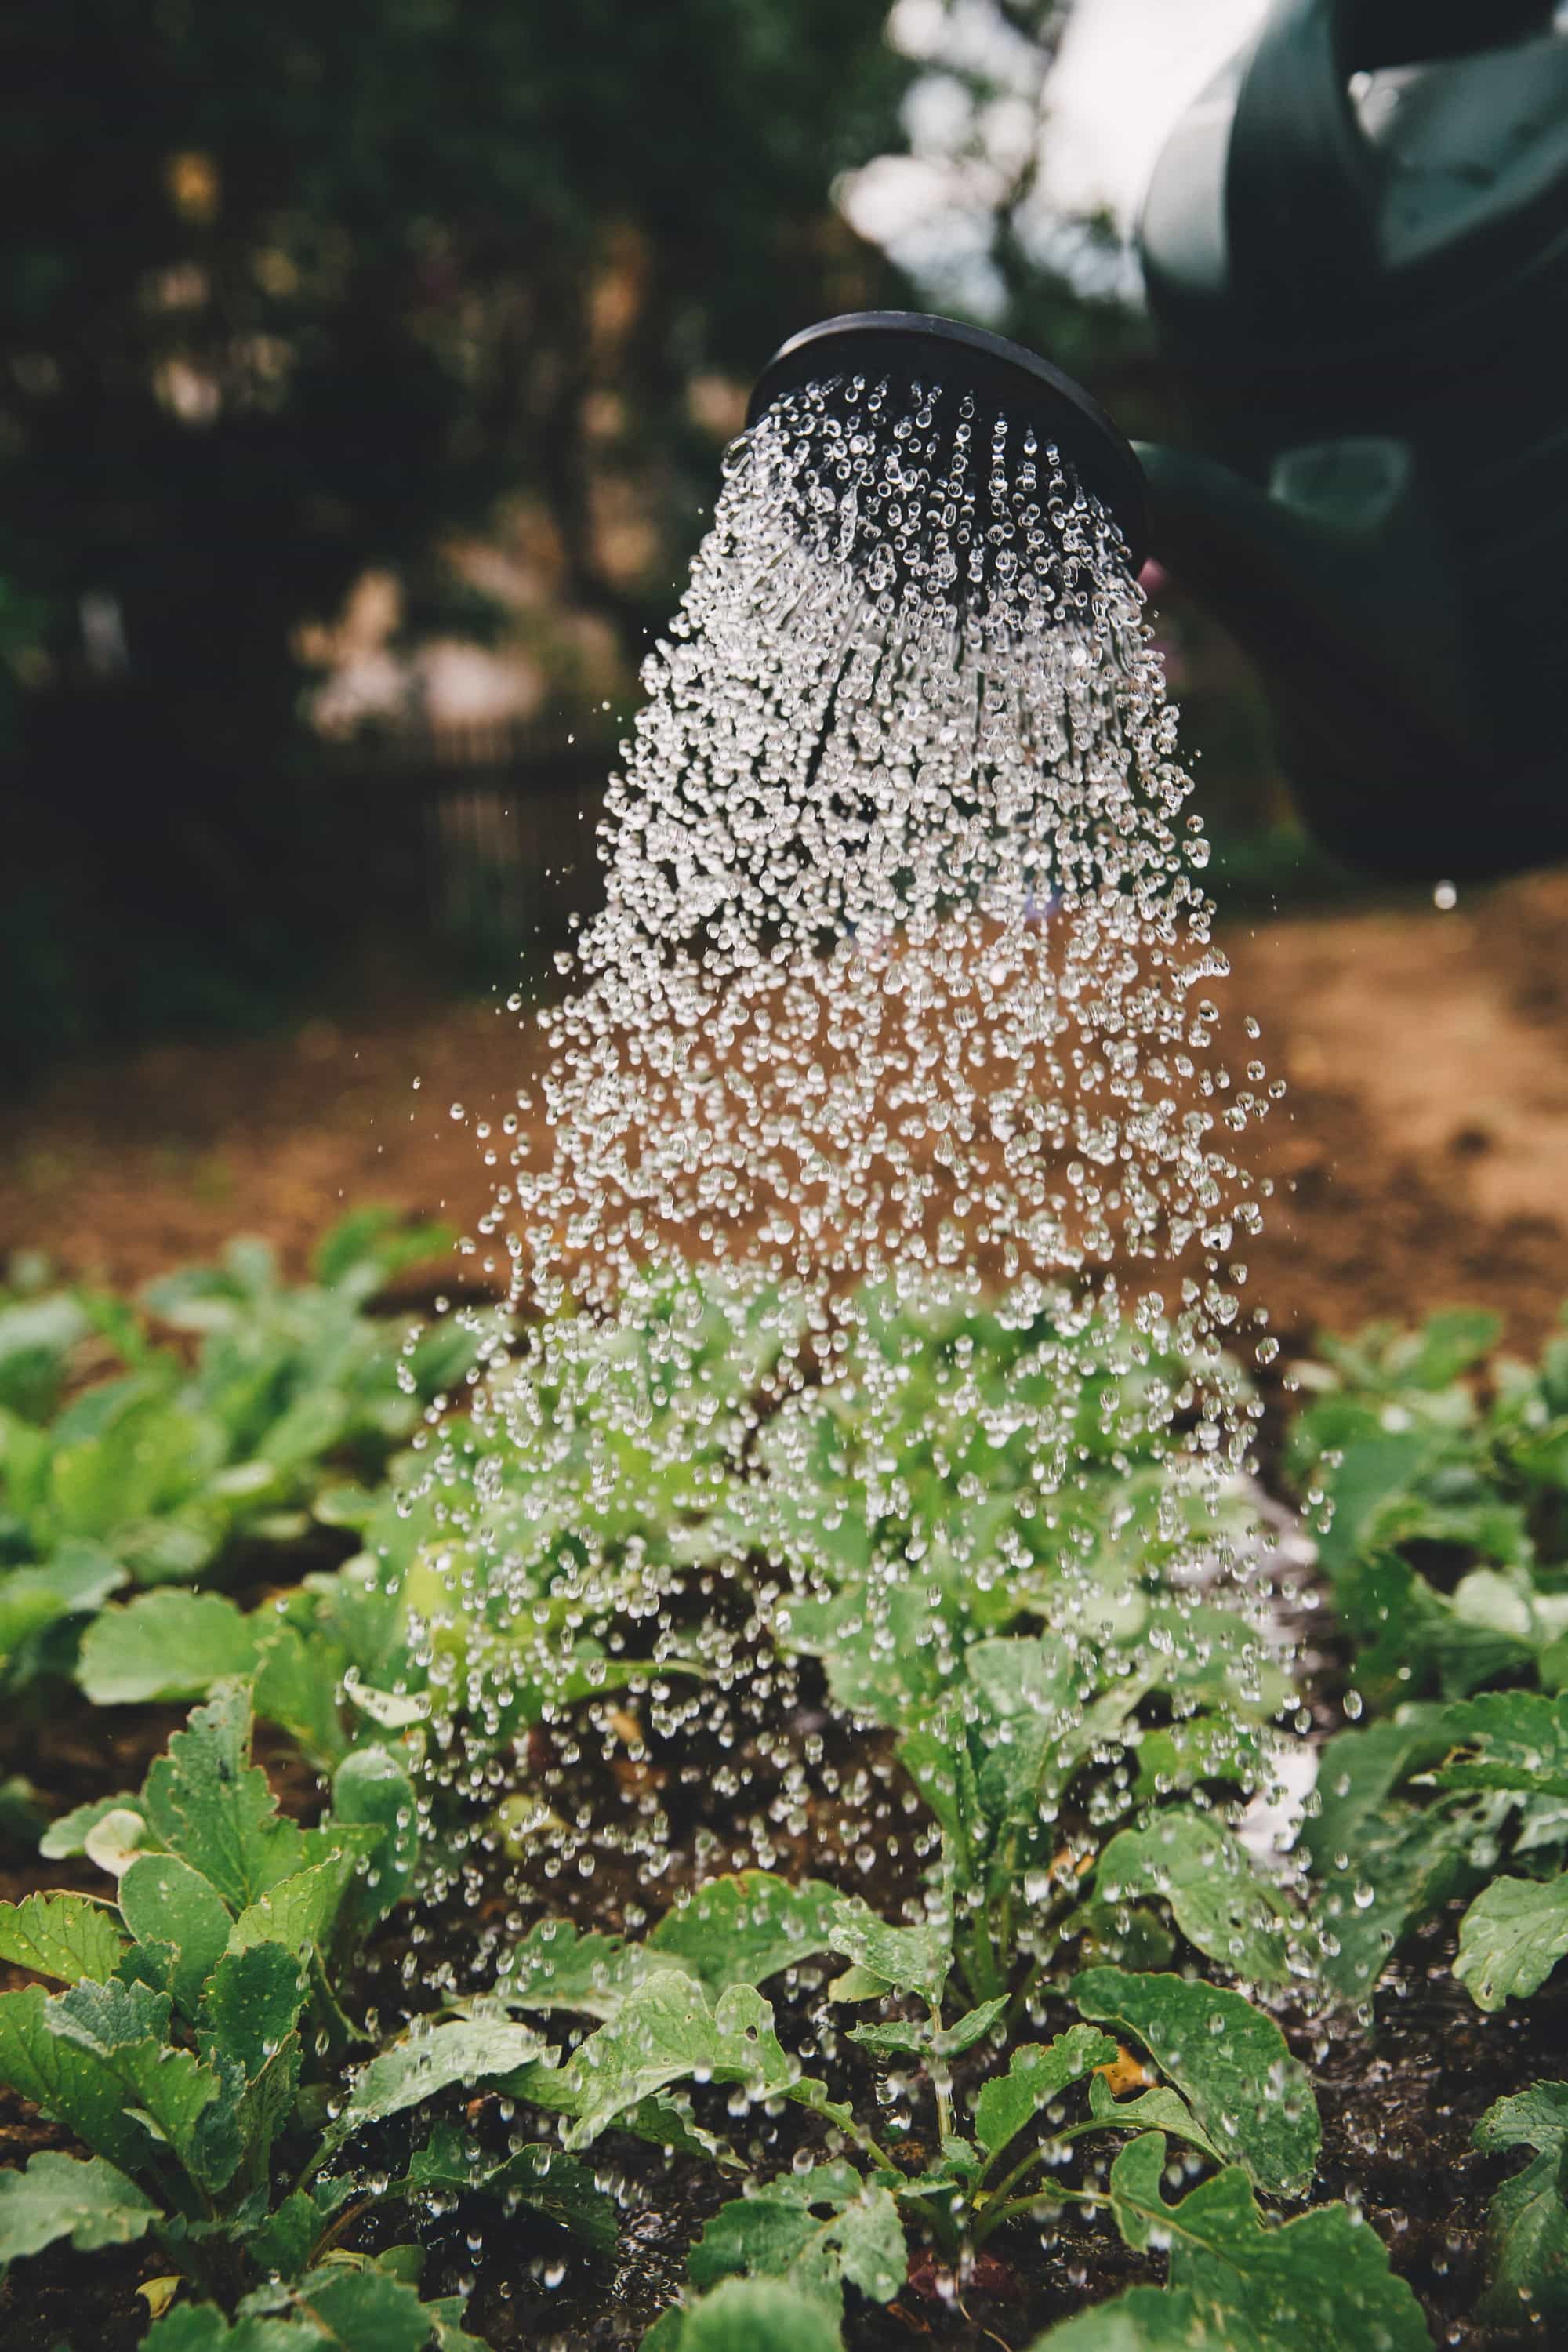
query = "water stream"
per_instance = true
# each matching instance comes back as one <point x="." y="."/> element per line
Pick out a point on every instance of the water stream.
<point x="896" y="1046"/>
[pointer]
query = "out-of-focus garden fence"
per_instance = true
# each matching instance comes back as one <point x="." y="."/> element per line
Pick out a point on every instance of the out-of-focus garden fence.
<point x="483" y="837"/>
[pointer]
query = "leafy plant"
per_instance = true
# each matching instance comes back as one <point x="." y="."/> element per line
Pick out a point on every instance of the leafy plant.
<point x="1448" y="1545"/>
<point x="186" y="2049"/>
<point x="148" y="1476"/>
<point x="1527" y="2223"/>
<point x="684" y="2008"/>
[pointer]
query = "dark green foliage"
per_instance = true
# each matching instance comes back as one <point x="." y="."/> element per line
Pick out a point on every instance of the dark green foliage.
<point x="150" y="1477"/>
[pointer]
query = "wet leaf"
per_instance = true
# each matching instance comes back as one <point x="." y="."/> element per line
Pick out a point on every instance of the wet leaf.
<point x="556" y="1966"/>
<point x="66" y="1835"/>
<point x="759" y="2314"/>
<point x="202" y="2327"/>
<point x="665" y="2032"/>
<point x="62" y="1936"/>
<point x="1318" y="2283"/>
<point x="1512" y="1937"/>
<point x="252" y="2005"/>
<point x="98" y="2058"/>
<point x="209" y="1804"/>
<point x="164" y="1646"/>
<point x="297" y="1688"/>
<point x="1154" y="2319"/>
<point x="430" y="2062"/>
<point x="1160" y="2109"/>
<point x="124" y="2029"/>
<point x="909" y="1959"/>
<point x="815" y="2229"/>
<point x="542" y="2178"/>
<point x="1229" y="2062"/>
<point x="371" y="1791"/>
<point x="117" y="1837"/>
<point x="165" y="1901"/>
<point x="1038" y="2073"/>
<point x="86" y="2200"/>
<point x="1527" y="2221"/>
<point x="1217" y="1899"/>
<point x="298" y="1911"/>
<point x="929" y="2040"/>
<point x="743" y="1929"/>
<point x="1509" y="1739"/>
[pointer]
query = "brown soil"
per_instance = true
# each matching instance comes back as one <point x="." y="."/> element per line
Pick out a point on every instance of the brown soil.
<point x="1421" y="1152"/>
<point x="1420" y="1157"/>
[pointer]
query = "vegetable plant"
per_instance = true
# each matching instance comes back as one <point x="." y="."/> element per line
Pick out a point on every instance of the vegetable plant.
<point x="151" y="1476"/>
<point x="200" y="2030"/>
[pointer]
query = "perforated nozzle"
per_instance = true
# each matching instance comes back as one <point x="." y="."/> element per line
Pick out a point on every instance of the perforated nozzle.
<point x="908" y="351"/>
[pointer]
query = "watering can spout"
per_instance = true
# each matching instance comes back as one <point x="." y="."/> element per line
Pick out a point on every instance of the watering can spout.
<point x="1353" y="246"/>
<point x="1339" y="583"/>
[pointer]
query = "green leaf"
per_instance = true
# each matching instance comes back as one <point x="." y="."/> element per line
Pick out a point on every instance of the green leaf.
<point x="77" y="1579"/>
<point x="1033" y="1692"/>
<point x="1512" y="1937"/>
<point x="1216" y="1897"/>
<point x="1160" y="2109"/>
<point x="209" y="1804"/>
<point x="743" y="1929"/>
<point x="298" y="1687"/>
<point x="98" y="2059"/>
<point x="117" y="1838"/>
<point x="358" y="2310"/>
<point x="202" y="2327"/>
<point x="371" y="1791"/>
<point x="1367" y="1844"/>
<point x="915" y="2035"/>
<point x="751" y="2315"/>
<point x="252" y="2005"/>
<point x="1319" y="2284"/>
<point x="430" y="2062"/>
<point x="909" y="1959"/>
<point x="1153" y="2319"/>
<point x="298" y="1913"/>
<point x="1038" y="2074"/>
<point x="125" y="2028"/>
<point x="67" y="1836"/>
<point x="664" y="2031"/>
<point x="370" y="1246"/>
<point x="815" y="2229"/>
<point x="68" y="2081"/>
<point x="1229" y="2062"/>
<point x="543" y="2178"/>
<point x="1514" y="1739"/>
<point x="281" y="2244"/>
<point x="1527" y="2221"/>
<point x="164" y="1900"/>
<point x="1359" y="1772"/>
<point x="164" y="1646"/>
<point x="86" y="2200"/>
<point x="556" y="1967"/>
<point x="62" y="1935"/>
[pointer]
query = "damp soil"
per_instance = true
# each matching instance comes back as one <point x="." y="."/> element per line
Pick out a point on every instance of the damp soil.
<point x="1399" y="2103"/>
<point x="1420" y="1158"/>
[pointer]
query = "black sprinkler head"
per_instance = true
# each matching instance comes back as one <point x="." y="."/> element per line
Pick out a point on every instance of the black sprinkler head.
<point x="911" y="351"/>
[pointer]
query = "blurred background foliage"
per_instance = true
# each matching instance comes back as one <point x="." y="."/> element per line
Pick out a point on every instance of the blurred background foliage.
<point x="366" y="365"/>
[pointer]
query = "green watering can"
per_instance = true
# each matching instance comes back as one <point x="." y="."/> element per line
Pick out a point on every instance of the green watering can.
<point x="1356" y="249"/>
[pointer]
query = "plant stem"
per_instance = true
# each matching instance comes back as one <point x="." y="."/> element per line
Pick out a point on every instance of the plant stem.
<point x="1019" y="2206"/>
<point x="337" y="2224"/>
<point x="1020" y="1999"/>
<point x="941" y="2083"/>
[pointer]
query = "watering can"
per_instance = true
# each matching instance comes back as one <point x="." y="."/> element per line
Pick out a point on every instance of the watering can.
<point x="1356" y="249"/>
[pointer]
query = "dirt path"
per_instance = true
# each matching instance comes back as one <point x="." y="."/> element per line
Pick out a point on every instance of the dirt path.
<point x="1421" y="1152"/>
